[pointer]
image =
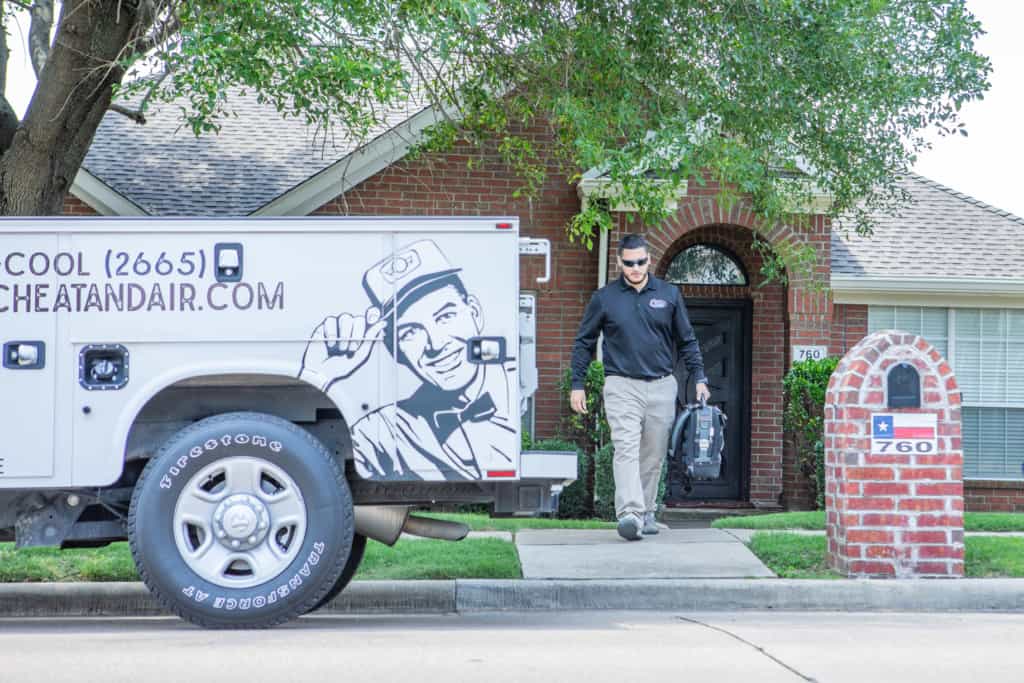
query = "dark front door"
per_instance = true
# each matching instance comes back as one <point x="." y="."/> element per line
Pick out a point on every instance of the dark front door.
<point x="723" y="330"/>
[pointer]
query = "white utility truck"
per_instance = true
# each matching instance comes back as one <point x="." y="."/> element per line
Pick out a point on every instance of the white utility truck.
<point x="246" y="401"/>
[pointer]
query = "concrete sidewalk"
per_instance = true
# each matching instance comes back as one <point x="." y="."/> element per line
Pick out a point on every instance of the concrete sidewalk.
<point x="603" y="554"/>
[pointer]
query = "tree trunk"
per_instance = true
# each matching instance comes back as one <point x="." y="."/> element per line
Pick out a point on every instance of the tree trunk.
<point x="73" y="93"/>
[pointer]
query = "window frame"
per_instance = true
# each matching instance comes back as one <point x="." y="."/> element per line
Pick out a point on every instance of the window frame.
<point x="736" y="261"/>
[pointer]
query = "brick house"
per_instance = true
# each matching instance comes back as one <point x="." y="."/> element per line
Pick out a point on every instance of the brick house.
<point x="950" y="268"/>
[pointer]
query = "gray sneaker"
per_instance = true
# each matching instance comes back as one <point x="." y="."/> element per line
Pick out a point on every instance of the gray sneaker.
<point x="650" y="524"/>
<point x="630" y="526"/>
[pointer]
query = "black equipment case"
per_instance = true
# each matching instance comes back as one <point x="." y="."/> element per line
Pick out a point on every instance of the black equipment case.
<point x="698" y="442"/>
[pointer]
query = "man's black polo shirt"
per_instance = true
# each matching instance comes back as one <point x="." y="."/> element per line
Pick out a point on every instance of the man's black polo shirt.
<point x="644" y="332"/>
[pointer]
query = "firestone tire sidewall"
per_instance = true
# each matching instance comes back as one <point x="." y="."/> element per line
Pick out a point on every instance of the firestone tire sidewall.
<point x="313" y="571"/>
<point x="355" y="558"/>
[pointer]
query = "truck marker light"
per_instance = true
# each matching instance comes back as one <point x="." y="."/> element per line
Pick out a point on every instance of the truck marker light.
<point x="493" y="474"/>
<point x="503" y="226"/>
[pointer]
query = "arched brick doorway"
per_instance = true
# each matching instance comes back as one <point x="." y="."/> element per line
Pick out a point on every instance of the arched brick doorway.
<point x="741" y="328"/>
<point x="762" y="315"/>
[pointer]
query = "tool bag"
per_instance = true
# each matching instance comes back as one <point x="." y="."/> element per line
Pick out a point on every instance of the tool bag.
<point x="698" y="442"/>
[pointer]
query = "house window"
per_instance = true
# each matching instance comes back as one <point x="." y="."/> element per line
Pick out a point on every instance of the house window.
<point x="985" y="347"/>
<point x="930" y="323"/>
<point x="704" y="264"/>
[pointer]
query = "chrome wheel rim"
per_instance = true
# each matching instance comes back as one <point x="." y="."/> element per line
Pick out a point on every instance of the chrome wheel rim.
<point x="239" y="522"/>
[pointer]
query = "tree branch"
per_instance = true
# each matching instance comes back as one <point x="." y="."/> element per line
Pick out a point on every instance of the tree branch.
<point x="135" y="115"/>
<point x="159" y="34"/>
<point x="138" y="115"/>
<point x="39" y="34"/>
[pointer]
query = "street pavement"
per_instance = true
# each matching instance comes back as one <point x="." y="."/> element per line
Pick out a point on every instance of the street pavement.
<point x="515" y="646"/>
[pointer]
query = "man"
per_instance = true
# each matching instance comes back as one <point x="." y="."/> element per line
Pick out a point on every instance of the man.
<point x="460" y="420"/>
<point x="645" y="330"/>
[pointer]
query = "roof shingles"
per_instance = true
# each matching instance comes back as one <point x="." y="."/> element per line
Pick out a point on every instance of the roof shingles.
<point x="256" y="156"/>
<point x="940" y="233"/>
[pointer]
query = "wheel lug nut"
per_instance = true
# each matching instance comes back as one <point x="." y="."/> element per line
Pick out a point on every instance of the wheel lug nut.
<point x="221" y="533"/>
<point x="235" y="543"/>
<point x="252" y="539"/>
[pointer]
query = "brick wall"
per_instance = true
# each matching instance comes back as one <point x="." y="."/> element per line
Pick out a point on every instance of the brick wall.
<point x="73" y="206"/>
<point x="849" y="326"/>
<point x="994" y="496"/>
<point x="898" y="514"/>
<point x="447" y="185"/>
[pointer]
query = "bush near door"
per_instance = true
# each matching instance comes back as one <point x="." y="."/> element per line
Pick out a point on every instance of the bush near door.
<point x="805" y="386"/>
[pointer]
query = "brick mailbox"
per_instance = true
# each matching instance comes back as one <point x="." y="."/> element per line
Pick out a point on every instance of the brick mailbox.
<point x="893" y="461"/>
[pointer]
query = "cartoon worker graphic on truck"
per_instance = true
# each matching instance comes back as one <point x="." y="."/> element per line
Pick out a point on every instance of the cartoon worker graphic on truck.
<point x="463" y="412"/>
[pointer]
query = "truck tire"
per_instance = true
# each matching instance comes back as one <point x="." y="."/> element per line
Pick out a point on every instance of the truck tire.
<point x="355" y="558"/>
<point x="241" y="520"/>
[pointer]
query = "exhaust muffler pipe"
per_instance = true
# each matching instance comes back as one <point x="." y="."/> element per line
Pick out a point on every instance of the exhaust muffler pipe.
<point x="381" y="522"/>
<point x="386" y="523"/>
<point x="435" y="528"/>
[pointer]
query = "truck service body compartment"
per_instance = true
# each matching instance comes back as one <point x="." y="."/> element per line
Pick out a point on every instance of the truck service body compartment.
<point x="175" y="300"/>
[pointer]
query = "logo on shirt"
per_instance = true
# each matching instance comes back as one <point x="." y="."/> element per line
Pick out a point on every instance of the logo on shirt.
<point x="658" y="303"/>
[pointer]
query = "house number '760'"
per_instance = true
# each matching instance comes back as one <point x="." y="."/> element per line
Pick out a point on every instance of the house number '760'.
<point x="903" y="446"/>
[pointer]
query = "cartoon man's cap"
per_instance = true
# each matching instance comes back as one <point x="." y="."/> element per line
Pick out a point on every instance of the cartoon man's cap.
<point x="410" y="268"/>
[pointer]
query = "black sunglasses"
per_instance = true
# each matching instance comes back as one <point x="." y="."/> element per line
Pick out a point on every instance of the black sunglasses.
<point x="635" y="264"/>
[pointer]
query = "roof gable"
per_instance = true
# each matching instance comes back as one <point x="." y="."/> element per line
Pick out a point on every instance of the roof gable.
<point x="940" y="233"/>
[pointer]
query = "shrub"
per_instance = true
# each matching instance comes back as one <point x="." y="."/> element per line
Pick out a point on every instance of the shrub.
<point x="573" y="502"/>
<point x="589" y="431"/>
<point x="604" y="483"/>
<point x="591" y="428"/>
<point x="805" y="386"/>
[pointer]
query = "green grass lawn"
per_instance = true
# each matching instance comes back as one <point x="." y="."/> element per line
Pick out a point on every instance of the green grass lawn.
<point x="779" y="520"/>
<point x="993" y="521"/>
<point x="112" y="563"/>
<point x="472" y="558"/>
<point x="991" y="556"/>
<point x="973" y="521"/>
<point x="795" y="556"/>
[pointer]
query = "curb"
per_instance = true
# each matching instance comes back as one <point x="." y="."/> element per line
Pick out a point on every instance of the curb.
<point x="55" y="600"/>
<point x="972" y="595"/>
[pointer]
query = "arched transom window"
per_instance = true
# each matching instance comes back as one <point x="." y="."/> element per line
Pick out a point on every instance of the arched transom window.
<point x="704" y="264"/>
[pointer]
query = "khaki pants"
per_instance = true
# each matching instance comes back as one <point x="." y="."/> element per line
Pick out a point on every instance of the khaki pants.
<point x="640" y="414"/>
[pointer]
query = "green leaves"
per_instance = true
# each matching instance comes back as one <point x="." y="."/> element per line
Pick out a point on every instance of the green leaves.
<point x="805" y="386"/>
<point x="743" y="95"/>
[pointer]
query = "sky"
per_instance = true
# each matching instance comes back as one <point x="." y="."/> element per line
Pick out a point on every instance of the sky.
<point x="984" y="165"/>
